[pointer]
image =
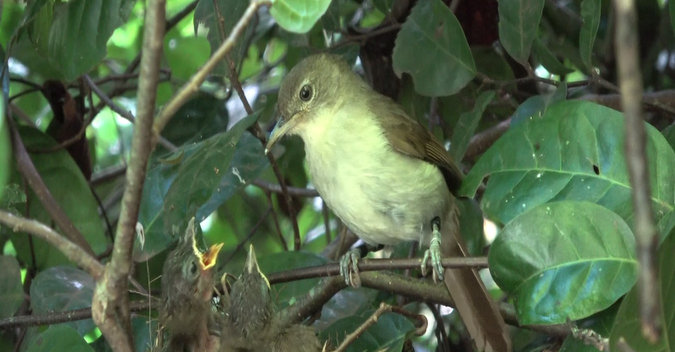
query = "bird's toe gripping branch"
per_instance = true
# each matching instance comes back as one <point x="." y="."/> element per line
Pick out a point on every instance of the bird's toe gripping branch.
<point x="349" y="268"/>
<point x="433" y="254"/>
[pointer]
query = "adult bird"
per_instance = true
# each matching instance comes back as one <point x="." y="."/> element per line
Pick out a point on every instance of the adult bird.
<point x="251" y="322"/>
<point x="385" y="176"/>
<point x="187" y="287"/>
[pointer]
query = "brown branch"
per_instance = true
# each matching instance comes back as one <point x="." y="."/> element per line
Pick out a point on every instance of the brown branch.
<point x="110" y="304"/>
<point x="365" y="265"/>
<point x="72" y="251"/>
<point x="630" y="80"/>
<point x="30" y="173"/>
<point x="480" y="142"/>
<point x="61" y="317"/>
<point x="191" y="87"/>
<point x="662" y="100"/>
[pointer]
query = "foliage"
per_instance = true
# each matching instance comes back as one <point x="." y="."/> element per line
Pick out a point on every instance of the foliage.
<point x="515" y="89"/>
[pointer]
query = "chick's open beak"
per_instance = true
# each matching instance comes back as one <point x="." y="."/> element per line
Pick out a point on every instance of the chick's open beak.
<point x="208" y="259"/>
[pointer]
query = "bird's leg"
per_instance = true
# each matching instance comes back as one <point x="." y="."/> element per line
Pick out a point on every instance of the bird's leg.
<point x="434" y="252"/>
<point x="349" y="263"/>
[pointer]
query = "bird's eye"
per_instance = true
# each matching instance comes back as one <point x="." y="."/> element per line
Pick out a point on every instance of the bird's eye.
<point x="306" y="93"/>
<point x="193" y="268"/>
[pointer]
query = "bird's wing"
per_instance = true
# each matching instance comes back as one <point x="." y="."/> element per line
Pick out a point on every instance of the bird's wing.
<point x="408" y="137"/>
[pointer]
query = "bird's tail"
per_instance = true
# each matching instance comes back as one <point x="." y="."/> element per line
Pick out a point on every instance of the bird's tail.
<point x="477" y="309"/>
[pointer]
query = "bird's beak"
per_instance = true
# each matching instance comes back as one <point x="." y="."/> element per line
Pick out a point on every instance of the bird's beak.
<point x="280" y="129"/>
<point x="252" y="264"/>
<point x="208" y="259"/>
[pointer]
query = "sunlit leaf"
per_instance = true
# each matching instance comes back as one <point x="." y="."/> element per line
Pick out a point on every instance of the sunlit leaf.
<point x="564" y="260"/>
<point x="575" y="151"/>
<point x="447" y="65"/>
<point x="298" y="16"/>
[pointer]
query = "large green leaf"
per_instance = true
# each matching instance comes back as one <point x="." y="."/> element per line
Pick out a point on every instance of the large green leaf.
<point x="590" y="15"/>
<point x="518" y="24"/>
<point x="564" y="260"/>
<point x="200" y="177"/>
<point x="298" y="16"/>
<point x="60" y="289"/>
<point x="574" y="151"/>
<point x="70" y="190"/>
<point x="59" y="338"/>
<point x="287" y="293"/>
<point x="447" y="65"/>
<point x="185" y="55"/>
<point x="667" y="289"/>
<point x="11" y="291"/>
<point x="72" y="35"/>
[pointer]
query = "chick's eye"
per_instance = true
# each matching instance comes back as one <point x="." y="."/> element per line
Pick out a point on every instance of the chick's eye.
<point x="306" y="93"/>
<point x="193" y="268"/>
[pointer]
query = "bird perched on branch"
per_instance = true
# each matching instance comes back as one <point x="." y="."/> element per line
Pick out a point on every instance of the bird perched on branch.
<point x="251" y="322"/>
<point x="385" y="176"/>
<point x="187" y="287"/>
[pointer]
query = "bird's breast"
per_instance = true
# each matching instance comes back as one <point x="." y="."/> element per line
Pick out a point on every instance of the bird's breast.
<point x="383" y="196"/>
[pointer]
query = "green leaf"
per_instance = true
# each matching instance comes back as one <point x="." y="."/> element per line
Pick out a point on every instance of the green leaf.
<point x="200" y="118"/>
<point x="208" y="16"/>
<point x="11" y="290"/>
<point x="60" y="289"/>
<point x="546" y="58"/>
<point x="627" y="326"/>
<point x="388" y="334"/>
<point x="298" y="16"/>
<point x="70" y="190"/>
<point x="447" y="65"/>
<point x="199" y="177"/>
<point x="590" y="17"/>
<point x="575" y="151"/>
<point x="287" y="293"/>
<point x="466" y="125"/>
<point x="667" y="289"/>
<point x="536" y="106"/>
<point x="185" y="55"/>
<point x="564" y="260"/>
<point x="59" y="338"/>
<point x="518" y="24"/>
<point x="74" y="34"/>
<point x="669" y="132"/>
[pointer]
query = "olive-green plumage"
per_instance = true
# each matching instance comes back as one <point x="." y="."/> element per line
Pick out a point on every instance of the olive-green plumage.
<point x="384" y="175"/>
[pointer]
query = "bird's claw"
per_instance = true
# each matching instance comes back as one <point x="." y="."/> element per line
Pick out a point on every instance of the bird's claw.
<point x="349" y="268"/>
<point x="433" y="254"/>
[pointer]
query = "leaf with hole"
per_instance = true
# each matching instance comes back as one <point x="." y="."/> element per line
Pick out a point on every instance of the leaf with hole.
<point x="574" y="151"/>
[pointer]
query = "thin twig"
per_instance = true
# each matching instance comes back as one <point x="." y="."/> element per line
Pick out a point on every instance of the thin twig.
<point x="28" y="170"/>
<point x="630" y="80"/>
<point x="72" y="251"/>
<point x="192" y="86"/>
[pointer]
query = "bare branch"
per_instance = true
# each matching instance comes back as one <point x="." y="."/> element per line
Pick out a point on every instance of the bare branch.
<point x="110" y="305"/>
<point x="72" y="251"/>
<point x="646" y="234"/>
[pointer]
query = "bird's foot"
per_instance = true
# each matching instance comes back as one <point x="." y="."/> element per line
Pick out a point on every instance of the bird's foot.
<point x="433" y="254"/>
<point x="349" y="268"/>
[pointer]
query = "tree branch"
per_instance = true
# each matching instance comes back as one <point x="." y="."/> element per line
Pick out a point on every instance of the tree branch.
<point x="630" y="80"/>
<point x="110" y="304"/>
<point x="72" y="251"/>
